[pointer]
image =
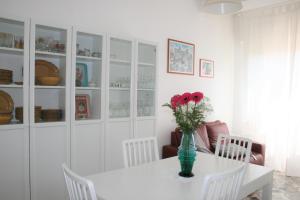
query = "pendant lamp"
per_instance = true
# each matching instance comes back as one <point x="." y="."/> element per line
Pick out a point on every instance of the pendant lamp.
<point x="222" y="7"/>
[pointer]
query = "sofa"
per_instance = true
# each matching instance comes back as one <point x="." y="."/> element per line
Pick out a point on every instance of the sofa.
<point x="209" y="133"/>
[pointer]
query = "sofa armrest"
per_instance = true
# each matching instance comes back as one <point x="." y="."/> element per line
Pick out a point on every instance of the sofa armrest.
<point x="259" y="148"/>
<point x="169" y="151"/>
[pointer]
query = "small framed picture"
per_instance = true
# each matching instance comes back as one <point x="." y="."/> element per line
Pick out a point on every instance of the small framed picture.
<point x="180" y="57"/>
<point x="206" y="68"/>
<point x="81" y="75"/>
<point x="82" y="102"/>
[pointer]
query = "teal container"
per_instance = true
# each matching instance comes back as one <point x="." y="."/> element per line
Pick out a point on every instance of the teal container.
<point x="187" y="154"/>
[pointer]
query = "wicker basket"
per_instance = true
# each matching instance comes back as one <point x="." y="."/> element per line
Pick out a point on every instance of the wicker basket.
<point x="37" y="113"/>
<point x="52" y="115"/>
<point x="6" y="76"/>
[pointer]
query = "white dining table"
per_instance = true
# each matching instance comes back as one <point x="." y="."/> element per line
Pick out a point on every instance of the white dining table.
<point x="159" y="180"/>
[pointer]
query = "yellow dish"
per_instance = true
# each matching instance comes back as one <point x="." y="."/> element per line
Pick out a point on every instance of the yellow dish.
<point x="50" y="80"/>
<point x="5" y="118"/>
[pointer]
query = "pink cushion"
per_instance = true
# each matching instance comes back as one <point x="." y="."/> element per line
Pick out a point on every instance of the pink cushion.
<point x="214" y="122"/>
<point x="213" y="130"/>
<point x="202" y="132"/>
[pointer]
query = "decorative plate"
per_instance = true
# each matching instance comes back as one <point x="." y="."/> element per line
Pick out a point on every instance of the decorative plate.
<point x="6" y="103"/>
<point x="44" y="68"/>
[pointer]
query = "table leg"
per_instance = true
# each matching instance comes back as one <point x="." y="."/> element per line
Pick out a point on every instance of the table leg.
<point x="267" y="191"/>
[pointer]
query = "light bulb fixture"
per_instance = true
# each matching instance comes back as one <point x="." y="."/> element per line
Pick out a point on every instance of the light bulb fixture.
<point x="223" y="7"/>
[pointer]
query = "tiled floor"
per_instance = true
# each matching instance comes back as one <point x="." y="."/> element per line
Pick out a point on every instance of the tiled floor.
<point x="284" y="188"/>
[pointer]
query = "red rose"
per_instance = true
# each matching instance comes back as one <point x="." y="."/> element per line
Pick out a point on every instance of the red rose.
<point x="185" y="98"/>
<point x="197" y="97"/>
<point x="175" y="101"/>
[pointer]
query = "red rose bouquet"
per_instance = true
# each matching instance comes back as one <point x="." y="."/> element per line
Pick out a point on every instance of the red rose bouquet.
<point x="190" y="110"/>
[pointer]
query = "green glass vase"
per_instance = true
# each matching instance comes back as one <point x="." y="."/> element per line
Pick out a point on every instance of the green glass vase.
<point x="187" y="154"/>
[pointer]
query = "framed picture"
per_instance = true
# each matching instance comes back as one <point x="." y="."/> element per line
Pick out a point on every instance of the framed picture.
<point x="180" y="57"/>
<point x="82" y="105"/>
<point x="81" y="75"/>
<point x="206" y="68"/>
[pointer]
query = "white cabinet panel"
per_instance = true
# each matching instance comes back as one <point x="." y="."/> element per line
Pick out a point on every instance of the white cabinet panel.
<point x="49" y="150"/>
<point x="144" y="128"/>
<point x="116" y="132"/>
<point x="14" y="165"/>
<point x="87" y="149"/>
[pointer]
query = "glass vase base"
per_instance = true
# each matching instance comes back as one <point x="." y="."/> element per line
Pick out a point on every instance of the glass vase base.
<point x="186" y="175"/>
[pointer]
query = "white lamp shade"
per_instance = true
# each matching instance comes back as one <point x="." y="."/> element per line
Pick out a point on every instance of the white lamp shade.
<point x="223" y="6"/>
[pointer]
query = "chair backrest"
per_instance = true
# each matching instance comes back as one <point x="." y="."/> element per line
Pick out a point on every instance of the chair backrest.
<point x="140" y="151"/>
<point x="223" y="186"/>
<point x="233" y="147"/>
<point x="78" y="187"/>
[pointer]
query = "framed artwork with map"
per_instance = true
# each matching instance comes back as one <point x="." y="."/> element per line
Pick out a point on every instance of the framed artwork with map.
<point x="180" y="57"/>
<point x="206" y="68"/>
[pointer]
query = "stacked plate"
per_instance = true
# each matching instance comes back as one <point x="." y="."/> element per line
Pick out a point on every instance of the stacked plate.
<point x="6" y="107"/>
<point x="46" y="73"/>
<point x="6" y="76"/>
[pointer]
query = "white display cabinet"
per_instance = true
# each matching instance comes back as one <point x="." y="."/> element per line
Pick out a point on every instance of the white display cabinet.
<point x="132" y="95"/>
<point x="119" y="107"/>
<point x="14" y="137"/>
<point x="88" y="79"/>
<point x="119" y="81"/>
<point x="50" y="135"/>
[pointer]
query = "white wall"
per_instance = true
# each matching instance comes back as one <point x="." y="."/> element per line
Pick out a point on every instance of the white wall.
<point x="154" y="20"/>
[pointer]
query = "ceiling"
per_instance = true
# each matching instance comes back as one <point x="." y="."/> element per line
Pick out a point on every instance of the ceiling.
<point x="252" y="4"/>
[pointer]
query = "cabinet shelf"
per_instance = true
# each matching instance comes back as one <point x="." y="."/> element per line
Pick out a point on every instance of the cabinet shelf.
<point x="11" y="50"/>
<point x="10" y="86"/>
<point x="49" y="87"/>
<point x="146" y="64"/>
<point x="143" y="118"/>
<point x="88" y="58"/>
<point x="118" y="88"/>
<point x="88" y="88"/>
<point x="119" y="119"/>
<point x="12" y="125"/>
<point x="145" y="89"/>
<point x="49" y="124"/>
<point x="50" y="54"/>
<point x="87" y="121"/>
<point x="127" y="62"/>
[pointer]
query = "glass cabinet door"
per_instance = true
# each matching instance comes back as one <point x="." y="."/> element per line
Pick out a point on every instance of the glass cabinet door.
<point x="146" y="80"/>
<point x="13" y="72"/>
<point x="120" y="66"/>
<point x="50" y="78"/>
<point x="88" y="73"/>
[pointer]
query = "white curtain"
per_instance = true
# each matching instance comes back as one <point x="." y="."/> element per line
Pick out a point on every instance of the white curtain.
<point x="267" y="82"/>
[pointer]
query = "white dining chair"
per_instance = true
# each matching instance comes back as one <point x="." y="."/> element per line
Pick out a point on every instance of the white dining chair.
<point x="233" y="147"/>
<point x="223" y="186"/>
<point x="140" y="151"/>
<point x="78" y="187"/>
